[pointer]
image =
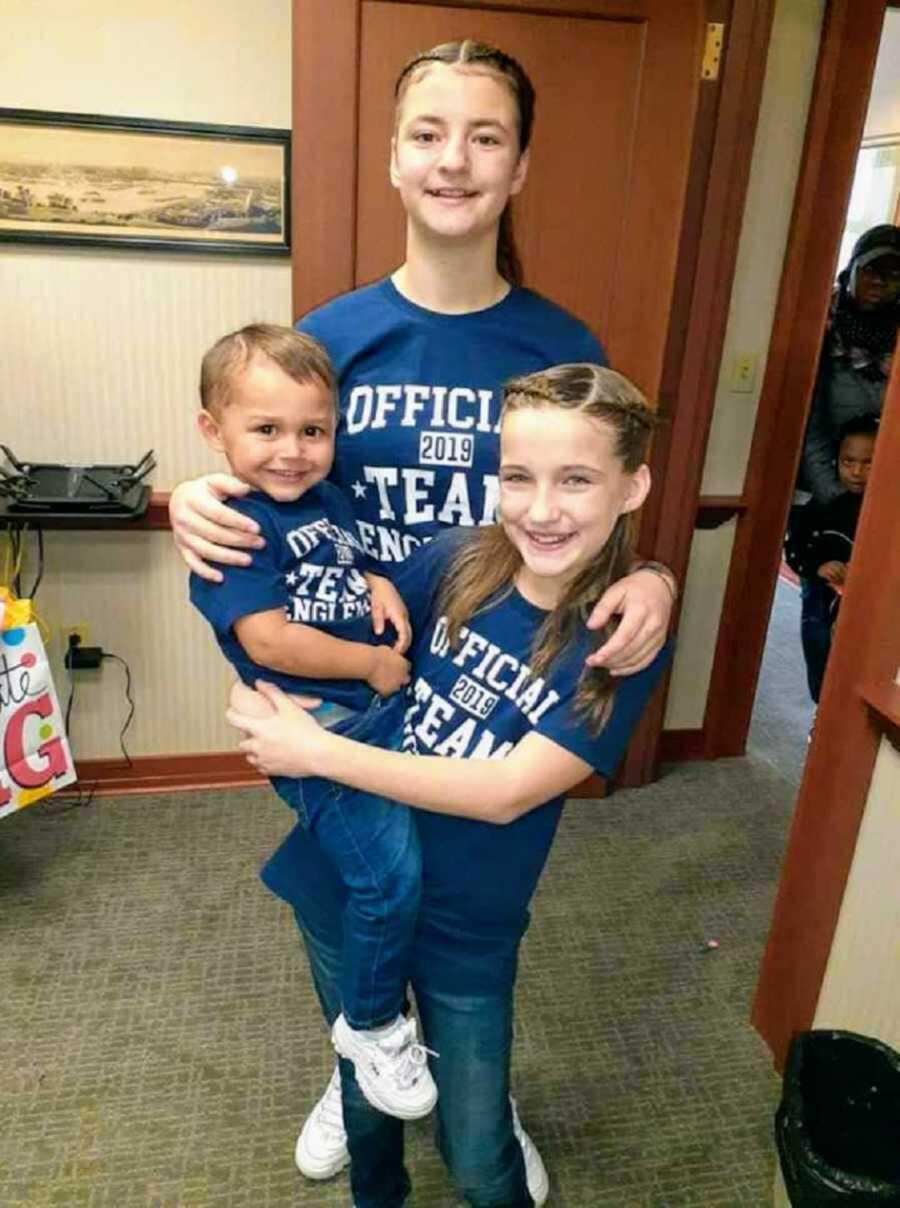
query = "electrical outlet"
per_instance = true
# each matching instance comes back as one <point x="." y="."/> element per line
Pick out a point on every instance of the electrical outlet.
<point x="743" y="373"/>
<point x="79" y="631"/>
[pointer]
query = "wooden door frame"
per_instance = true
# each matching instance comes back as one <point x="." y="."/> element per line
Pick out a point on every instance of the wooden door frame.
<point x="850" y="37"/>
<point x="325" y="79"/>
<point x="859" y="701"/>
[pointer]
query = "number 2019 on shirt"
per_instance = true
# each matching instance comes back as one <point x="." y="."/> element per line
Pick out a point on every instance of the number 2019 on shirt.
<point x="446" y="449"/>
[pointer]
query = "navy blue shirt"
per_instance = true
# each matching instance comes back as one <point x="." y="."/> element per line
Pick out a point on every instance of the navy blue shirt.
<point x="479" y="701"/>
<point x="420" y="392"/>
<point x="313" y="567"/>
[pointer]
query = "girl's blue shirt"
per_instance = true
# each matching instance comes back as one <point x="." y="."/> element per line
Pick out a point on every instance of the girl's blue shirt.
<point x="479" y="701"/>
<point x="420" y="393"/>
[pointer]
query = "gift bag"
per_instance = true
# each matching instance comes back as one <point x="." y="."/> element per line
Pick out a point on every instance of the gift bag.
<point x="35" y="759"/>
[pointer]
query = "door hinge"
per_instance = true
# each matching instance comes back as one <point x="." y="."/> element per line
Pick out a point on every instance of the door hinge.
<point x="712" y="51"/>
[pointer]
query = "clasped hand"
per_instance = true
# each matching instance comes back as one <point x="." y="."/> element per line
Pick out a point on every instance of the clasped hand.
<point x="281" y="738"/>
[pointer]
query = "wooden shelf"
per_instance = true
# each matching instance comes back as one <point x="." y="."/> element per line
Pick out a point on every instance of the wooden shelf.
<point x="883" y="700"/>
<point x="716" y="510"/>
<point x="156" y="517"/>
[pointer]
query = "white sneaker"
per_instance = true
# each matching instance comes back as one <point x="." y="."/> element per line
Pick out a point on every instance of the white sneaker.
<point x="535" y="1170"/>
<point x="321" y="1149"/>
<point x="391" y="1069"/>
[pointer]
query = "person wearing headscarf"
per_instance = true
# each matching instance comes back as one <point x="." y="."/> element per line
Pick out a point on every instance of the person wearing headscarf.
<point x="854" y="367"/>
<point x="856" y="354"/>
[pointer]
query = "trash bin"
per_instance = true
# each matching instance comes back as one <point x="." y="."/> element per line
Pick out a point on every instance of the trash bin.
<point x="838" y="1125"/>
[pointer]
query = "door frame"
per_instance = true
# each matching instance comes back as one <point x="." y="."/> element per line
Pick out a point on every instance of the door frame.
<point x="859" y="702"/>
<point x="851" y="34"/>
<point x="323" y="226"/>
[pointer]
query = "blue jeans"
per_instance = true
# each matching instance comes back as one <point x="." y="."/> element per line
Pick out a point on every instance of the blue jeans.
<point x="472" y="1034"/>
<point x="373" y="845"/>
<point x="816" y="617"/>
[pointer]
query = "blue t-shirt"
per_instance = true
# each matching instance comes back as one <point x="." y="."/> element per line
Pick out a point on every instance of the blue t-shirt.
<point x="313" y="567"/>
<point x="420" y="393"/>
<point x="479" y="701"/>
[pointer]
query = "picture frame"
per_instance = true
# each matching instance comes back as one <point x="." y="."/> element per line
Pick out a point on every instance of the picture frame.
<point x="83" y="180"/>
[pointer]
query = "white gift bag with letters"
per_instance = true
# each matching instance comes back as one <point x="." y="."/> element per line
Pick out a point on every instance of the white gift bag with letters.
<point x="35" y="759"/>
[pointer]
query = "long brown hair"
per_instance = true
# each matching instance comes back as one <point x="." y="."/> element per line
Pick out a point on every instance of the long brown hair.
<point x="486" y="566"/>
<point x="489" y="58"/>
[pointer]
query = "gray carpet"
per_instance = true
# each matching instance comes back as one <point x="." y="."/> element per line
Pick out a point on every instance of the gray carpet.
<point x="784" y="711"/>
<point x="160" y="1042"/>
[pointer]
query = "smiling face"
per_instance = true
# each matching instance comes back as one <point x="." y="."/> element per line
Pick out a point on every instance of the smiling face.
<point x="455" y="153"/>
<point x="277" y="433"/>
<point x="562" y="488"/>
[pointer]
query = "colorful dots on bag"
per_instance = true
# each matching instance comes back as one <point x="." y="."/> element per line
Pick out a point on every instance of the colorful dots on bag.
<point x="13" y="637"/>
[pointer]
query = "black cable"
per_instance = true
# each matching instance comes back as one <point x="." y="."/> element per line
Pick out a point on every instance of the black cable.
<point x="71" y="699"/>
<point x="15" y="538"/>
<point x="58" y="808"/>
<point x="81" y="801"/>
<point x="40" y="567"/>
<point x="117" y="658"/>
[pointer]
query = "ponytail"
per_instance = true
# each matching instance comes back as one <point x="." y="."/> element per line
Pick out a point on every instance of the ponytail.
<point x="509" y="264"/>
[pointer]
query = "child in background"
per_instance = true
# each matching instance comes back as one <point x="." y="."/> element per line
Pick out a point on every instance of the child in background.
<point x="302" y="615"/>
<point x="503" y="718"/>
<point x="820" y="547"/>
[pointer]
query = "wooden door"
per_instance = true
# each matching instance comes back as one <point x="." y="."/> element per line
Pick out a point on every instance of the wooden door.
<point x="598" y="222"/>
<point x="631" y="213"/>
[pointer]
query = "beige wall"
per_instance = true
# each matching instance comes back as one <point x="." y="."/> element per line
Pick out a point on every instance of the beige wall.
<point x="884" y="104"/>
<point x="773" y="177"/>
<point x="861" y="988"/>
<point x="100" y="350"/>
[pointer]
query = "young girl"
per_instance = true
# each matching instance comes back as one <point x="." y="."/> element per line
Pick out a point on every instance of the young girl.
<point x="421" y="358"/>
<point x="503" y="717"/>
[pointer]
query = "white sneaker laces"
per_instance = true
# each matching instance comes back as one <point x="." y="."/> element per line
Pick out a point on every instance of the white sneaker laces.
<point x="411" y="1057"/>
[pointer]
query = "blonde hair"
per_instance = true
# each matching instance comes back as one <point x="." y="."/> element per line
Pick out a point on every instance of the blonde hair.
<point x="300" y="356"/>
<point x="486" y="566"/>
<point x="471" y="53"/>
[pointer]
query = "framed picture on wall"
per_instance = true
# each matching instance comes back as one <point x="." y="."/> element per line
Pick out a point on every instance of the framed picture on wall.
<point x="82" y="180"/>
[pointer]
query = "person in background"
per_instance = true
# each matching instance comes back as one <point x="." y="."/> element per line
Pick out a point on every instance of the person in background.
<point x="854" y="367"/>
<point x="856" y="355"/>
<point x="820" y="547"/>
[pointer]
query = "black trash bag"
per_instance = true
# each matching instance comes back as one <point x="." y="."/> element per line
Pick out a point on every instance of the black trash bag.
<point x="838" y="1124"/>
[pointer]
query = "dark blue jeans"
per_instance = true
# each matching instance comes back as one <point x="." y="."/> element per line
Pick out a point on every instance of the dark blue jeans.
<point x="472" y="1035"/>
<point x="816" y="616"/>
<point x="373" y="846"/>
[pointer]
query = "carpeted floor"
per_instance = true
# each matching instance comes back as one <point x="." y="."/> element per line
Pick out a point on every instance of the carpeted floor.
<point x="160" y="1042"/>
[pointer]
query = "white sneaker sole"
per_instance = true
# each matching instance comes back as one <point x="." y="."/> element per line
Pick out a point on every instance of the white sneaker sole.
<point x="319" y="1169"/>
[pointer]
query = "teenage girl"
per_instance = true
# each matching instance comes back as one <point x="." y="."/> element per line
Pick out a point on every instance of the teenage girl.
<point x="421" y="358"/>
<point x="422" y="355"/>
<point x="502" y="718"/>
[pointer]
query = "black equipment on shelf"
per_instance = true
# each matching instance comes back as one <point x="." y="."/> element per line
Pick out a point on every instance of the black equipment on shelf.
<point x="43" y="490"/>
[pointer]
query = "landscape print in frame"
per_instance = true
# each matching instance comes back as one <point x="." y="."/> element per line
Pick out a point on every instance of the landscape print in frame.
<point x="79" y="179"/>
